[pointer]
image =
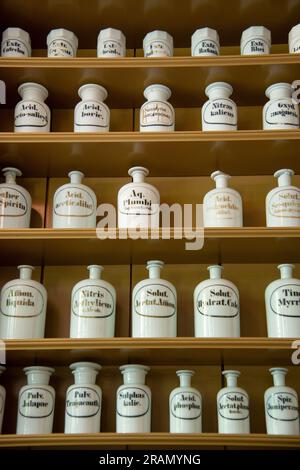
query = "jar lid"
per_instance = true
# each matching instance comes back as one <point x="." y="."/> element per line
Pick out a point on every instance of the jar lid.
<point x="284" y="171"/>
<point x="295" y="32"/>
<point x="206" y="33"/>
<point x="62" y="33"/>
<point x="85" y="365"/>
<point x="158" y="35"/>
<point x="95" y="87"/>
<point x="11" y="169"/>
<point x="16" y="33"/>
<point x="112" y="33"/>
<point x="275" y="86"/>
<point x="37" y="86"/>
<point x="160" y="88"/>
<point x="128" y="367"/>
<point x="256" y="32"/>
<point x="30" y="369"/>
<point x="214" y="85"/>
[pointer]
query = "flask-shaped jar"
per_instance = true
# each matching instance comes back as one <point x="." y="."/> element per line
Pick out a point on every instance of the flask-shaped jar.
<point x="158" y="44"/>
<point x="36" y="402"/>
<point x="154" y="306"/>
<point x="282" y="299"/>
<point x="15" y="43"/>
<point x="74" y="204"/>
<point x="216" y="307"/>
<point x="233" y="406"/>
<point x="93" y="307"/>
<point x="205" y="43"/>
<point x="294" y="40"/>
<point x="83" y="400"/>
<point x="185" y="405"/>
<point x="138" y="202"/>
<point x="219" y="113"/>
<point x="281" y="406"/>
<point x="222" y="206"/>
<point x="15" y="201"/>
<point x="2" y="400"/>
<point x="31" y="113"/>
<point x="256" y="40"/>
<point x="111" y="43"/>
<point x="157" y="114"/>
<point x="283" y="202"/>
<point x="133" y="407"/>
<point x="62" y="43"/>
<point x="281" y="111"/>
<point x="91" y="113"/>
<point x="23" y="307"/>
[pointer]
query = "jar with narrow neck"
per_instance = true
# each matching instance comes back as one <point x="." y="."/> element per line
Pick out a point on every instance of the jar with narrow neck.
<point x="15" y="201"/>
<point x="219" y="113"/>
<point x="157" y="114"/>
<point x="91" y="113"/>
<point x="281" y="111"/>
<point x="283" y="202"/>
<point x="32" y="114"/>
<point x="2" y="399"/>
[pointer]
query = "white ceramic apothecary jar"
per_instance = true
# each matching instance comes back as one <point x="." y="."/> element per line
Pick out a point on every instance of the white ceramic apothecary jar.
<point x="282" y="298"/>
<point x="205" y="43"/>
<point x="74" y="204"/>
<point x="185" y="405"/>
<point x="216" y="307"/>
<point x="294" y="40"/>
<point x="15" y="43"/>
<point x="15" y="201"/>
<point x="154" y="305"/>
<point x="281" y="111"/>
<point x="133" y="401"/>
<point x="256" y="40"/>
<point x="138" y="202"/>
<point x="2" y="399"/>
<point x="157" y="114"/>
<point x="62" y="43"/>
<point x="111" y="43"/>
<point x="93" y="307"/>
<point x="222" y="206"/>
<point x="233" y="406"/>
<point x="283" y="202"/>
<point x="36" y="402"/>
<point x="281" y="406"/>
<point x="91" y="113"/>
<point x="158" y="44"/>
<point x="83" y="400"/>
<point x="31" y="113"/>
<point x="219" y="113"/>
<point x="23" y="307"/>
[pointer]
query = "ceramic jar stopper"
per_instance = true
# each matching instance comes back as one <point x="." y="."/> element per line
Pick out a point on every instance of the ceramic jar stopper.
<point x="62" y="43"/>
<point x="154" y="306"/>
<point x="283" y="202"/>
<point x="93" y="307"/>
<point x="216" y="307"/>
<point x="83" y="400"/>
<point x="2" y="399"/>
<point x="219" y="113"/>
<point x="185" y="404"/>
<point x="222" y="207"/>
<point x="233" y="406"/>
<point x="157" y="114"/>
<point x="294" y="40"/>
<point x="36" y="402"/>
<point x="15" y="43"/>
<point x="111" y="43"/>
<point x="256" y="40"/>
<point x="32" y="114"/>
<point x="74" y="204"/>
<point x="281" y="406"/>
<point x="133" y="401"/>
<point x="205" y="43"/>
<point x="158" y="44"/>
<point x="281" y="111"/>
<point x="91" y="113"/>
<point x="23" y="307"/>
<point x="15" y="201"/>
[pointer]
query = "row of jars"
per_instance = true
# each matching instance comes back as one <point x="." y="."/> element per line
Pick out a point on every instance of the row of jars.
<point x="255" y="40"/>
<point x="91" y="114"/>
<point x="154" y="306"/>
<point x="75" y="204"/>
<point x="134" y="403"/>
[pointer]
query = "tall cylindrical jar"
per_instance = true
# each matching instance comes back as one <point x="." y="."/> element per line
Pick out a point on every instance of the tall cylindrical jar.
<point x="36" y="402"/>
<point x="219" y="113"/>
<point x="216" y="307"/>
<point x="133" y="407"/>
<point x="154" y="306"/>
<point x="158" y="44"/>
<point x="91" y="113"/>
<point x="74" y="204"/>
<point x="205" y="43"/>
<point x="2" y="400"/>
<point x="233" y="406"/>
<point x="31" y="113"/>
<point x="222" y="206"/>
<point x="185" y="405"/>
<point x="283" y="202"/>
<point x="256" y="40"/>
<point x="93" y="307"/>
<point x="15" y="201"/>
<point x="294" y="40"/>
<point x="23" y="307"/>
<point x="157" y="114"/>
<point x="281" y="406"/>
<point x="62" y="43"/>
<point x="281" y="111"/>
<point x="83" y="400"/>
<point x="111" y="43"/>
<point x="15" y="43"/>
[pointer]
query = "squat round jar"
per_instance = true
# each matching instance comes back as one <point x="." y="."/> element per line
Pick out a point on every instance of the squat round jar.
<point x="256" y="40"/>
<point x="91" y="113"/>
<point x="205" y="43"/>
<point x="62" y="43"/>
<point x="281" y="112"/>
<point x="111" y="43"/>
<point x="158" y="44"/>
<point x="219" y="113"/>
<point x="294" y="40"/>
<point x="15" y="43"/>
<point x="32" y="114"/>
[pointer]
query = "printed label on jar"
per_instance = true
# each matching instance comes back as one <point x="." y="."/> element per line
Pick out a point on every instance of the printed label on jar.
<point x="157" y="49"/>
<point x="36" y="403"/>
<point x="220" y="111"/>
<point x="111" y="48"/>
<point x="138" y="201"/>
<point x="2" y="400"/>
<point x="83" y="402"/>
<point x="14" y="47"/>
<point x="92" y="114"/>
<point x="92" y="302"/>
<point x="282" y="406"/>
<point x="285" y="204"/>
<point x="223" y="206"/>
<point x="255" y="46"/>
<point x="218" y="301"/>
<point x="73" y="202"/>
<point x="155" y="300"/>
<point x="296" y="47"/>
<point x="132" y="402"/>
<point x="186" y="405"/>
<point x="60" y="47"/>
<point x="31" y="114"/>
<point x="206" y="47"/>
<point x="282" y="112"/>
<point x="12" y="202"/>
<point x="285" y="301"/>
<point x="234" y="406"/>
<point x="22" y="301"/>
<point x="156" y="113"/>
